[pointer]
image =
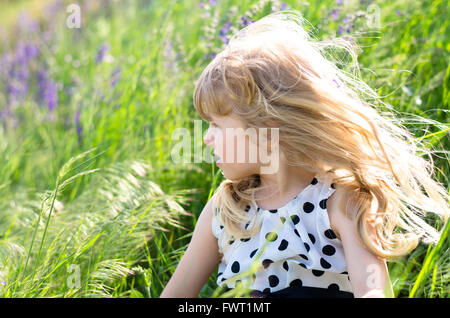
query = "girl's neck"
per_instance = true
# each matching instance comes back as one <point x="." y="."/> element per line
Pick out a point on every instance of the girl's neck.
<point x="282" y="186"/>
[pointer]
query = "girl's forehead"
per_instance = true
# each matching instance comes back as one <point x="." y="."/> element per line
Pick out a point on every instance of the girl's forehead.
<point x="227" y="120"/>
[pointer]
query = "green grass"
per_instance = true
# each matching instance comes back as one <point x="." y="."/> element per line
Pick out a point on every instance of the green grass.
<point x="106" y="214"/>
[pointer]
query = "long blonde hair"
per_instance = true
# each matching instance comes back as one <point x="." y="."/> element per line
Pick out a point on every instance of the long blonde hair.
<point x="274" y="71"/>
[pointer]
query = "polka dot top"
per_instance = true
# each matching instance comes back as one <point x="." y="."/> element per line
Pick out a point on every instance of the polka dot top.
<point x="295" y="246"/>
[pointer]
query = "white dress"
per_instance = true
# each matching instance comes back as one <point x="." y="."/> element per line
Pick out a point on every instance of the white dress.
<point x="301" y="249"/>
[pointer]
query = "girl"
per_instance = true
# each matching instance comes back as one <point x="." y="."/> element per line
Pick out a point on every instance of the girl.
<point x="347" y="193"/>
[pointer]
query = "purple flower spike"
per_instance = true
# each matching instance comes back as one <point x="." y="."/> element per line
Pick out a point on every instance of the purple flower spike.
<point x="224" y="39"/>
<point x="244" y="21"/>
<point x="102" y="50"/>
<point x="78" y="127"/>
<point x="283" y="6"/>
<point x="31" y="51"/>
<point x="115" y="76"/>
<point x="341" y="29"/>
<point x="225" y="29"/>
<point x="47" y="87"/>
<point x="51" y="96"/>
<point x="334" y="14"/>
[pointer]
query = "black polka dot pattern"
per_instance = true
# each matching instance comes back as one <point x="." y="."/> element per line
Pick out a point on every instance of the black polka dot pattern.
<point x="308" y="207"/>
<point x="312" y="238"/>
<point x="283" y="245"/>
<point x="333" y="287"/>
<point x="328" y="250"/>
<point x="324" y="263"/>
<point x="323" y="204"/>
<point x="298" y="246"/>
<point x="330" y="234"/>
<point x="273" y="280"/>
<point x="295" y="219"/>
<point x="266" y="263"/>
<point x="317" y="273"/>
<point x="303" y="256"/>
<point x="235" y="267"/>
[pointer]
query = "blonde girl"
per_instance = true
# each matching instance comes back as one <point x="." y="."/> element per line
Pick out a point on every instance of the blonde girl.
<point x="349" y="193"/>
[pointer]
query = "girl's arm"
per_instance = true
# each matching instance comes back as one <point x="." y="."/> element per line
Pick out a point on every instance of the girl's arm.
<point x="198" y="262"/>
<point x="368" y="274"/>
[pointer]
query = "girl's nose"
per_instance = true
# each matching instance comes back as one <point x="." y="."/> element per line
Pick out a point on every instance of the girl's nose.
<point x="208" y="139"/>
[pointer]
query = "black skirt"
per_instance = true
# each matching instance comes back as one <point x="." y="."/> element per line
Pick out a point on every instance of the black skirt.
<point x="300" y="292"/>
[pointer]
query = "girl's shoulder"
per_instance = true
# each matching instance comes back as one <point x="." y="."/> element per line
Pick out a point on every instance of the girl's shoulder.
<point x="339" y="208"/>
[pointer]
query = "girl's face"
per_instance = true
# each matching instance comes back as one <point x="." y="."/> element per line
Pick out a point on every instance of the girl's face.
<point x="236" y="147"/>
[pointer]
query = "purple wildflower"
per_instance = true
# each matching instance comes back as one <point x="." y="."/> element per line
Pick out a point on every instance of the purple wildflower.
<point x="212" y="2"/>
<point x="15" y="69"/>
<point x="225" y="29"/>
<point x="115" y="76"/>
<point x="31" y="51"/>
<point x="200" y="5"/>
<point x="13" y="91"/>
<point x="224" y="39"/>
<point x="51" y="96"/>
<point x="47" y="88"/>
<point x="339" y="1"/>
<point x="79" y="128"/>
<point x="334" y="14"/>
<point x="244" y="21"/>
<point x="101" y="52"/>
<point x="283" y="6"/>
<point x="398" y="12"/>
<point x="341" y="29"/>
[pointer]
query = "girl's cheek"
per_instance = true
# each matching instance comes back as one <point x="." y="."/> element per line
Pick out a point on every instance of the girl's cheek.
<point x="219" y="142"/>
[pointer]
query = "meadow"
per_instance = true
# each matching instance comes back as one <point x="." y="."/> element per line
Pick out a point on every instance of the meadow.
<point x="92" y="203"/>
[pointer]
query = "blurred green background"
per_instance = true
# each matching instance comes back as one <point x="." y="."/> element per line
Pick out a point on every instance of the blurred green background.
<point x="93" y="204"/>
